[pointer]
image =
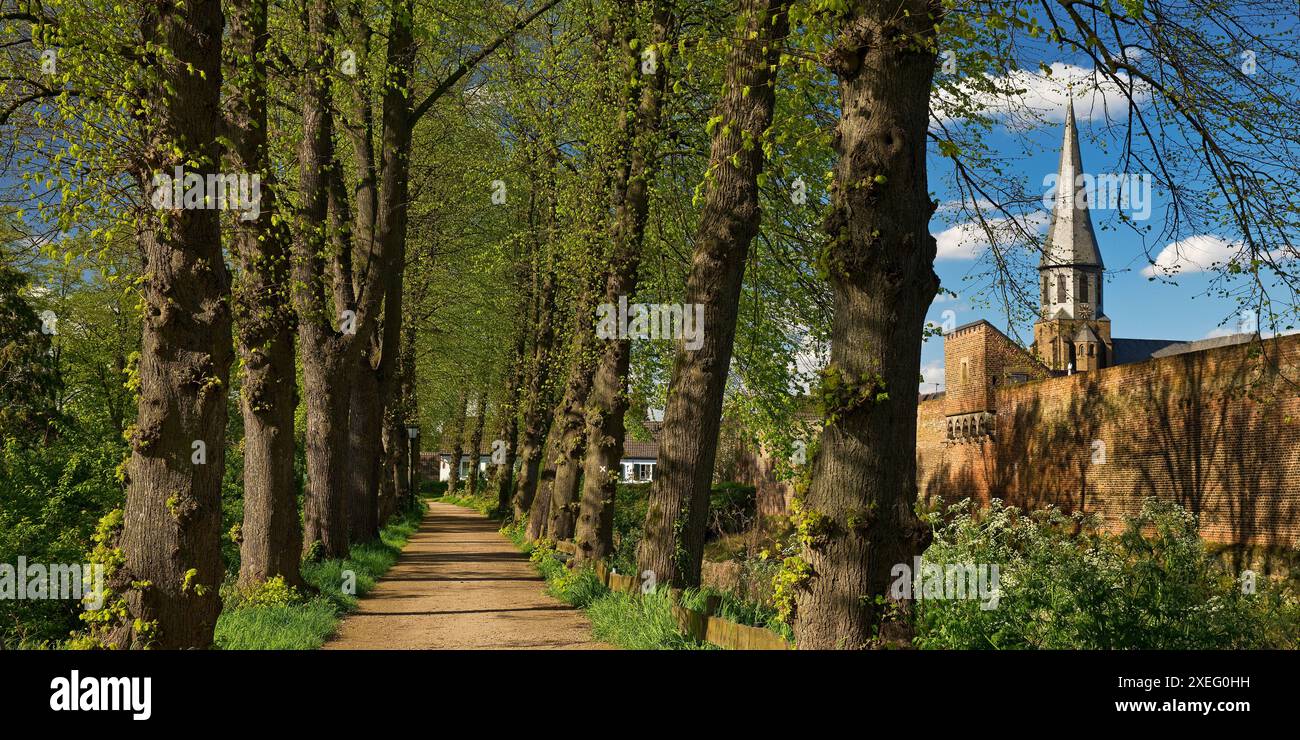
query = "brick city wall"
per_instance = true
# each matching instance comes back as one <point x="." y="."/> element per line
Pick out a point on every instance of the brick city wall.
<point x="1218" y="431"/>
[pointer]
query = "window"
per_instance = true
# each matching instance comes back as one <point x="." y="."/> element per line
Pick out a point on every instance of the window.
<point x="1092" y="350"/>
<point x="1046" y="296"/>
<point x="1083" y="289"/>
<point x="643" y="471"/>
<point x="1060" y="289"/>
<point x="965" y="370"/>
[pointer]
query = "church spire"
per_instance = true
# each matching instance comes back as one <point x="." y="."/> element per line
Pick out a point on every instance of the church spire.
<point x="1070" y="238"/>
<point x="1072" y="330"/>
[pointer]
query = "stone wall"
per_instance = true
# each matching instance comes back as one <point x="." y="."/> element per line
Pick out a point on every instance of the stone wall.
<point x="1218" y="431"/>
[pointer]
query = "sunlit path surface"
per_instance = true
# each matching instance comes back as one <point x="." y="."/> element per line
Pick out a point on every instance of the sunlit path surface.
<point x="461" y="584"/>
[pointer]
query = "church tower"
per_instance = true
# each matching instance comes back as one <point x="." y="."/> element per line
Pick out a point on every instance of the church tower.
<point x="1072" y="331"/>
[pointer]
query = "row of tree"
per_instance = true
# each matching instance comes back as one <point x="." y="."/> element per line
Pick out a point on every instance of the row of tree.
<point x="448" y="195"/>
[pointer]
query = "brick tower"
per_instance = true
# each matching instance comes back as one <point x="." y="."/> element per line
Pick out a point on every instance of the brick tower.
<point x="1072" y="330"/>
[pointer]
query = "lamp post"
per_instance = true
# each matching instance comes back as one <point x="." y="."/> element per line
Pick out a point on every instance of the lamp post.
<point x="413" y="470"/>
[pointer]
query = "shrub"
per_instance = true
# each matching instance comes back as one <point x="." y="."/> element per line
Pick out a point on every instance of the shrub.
<point x="51" y="498"/>
<point x="1062" y="585"/>
<point x="732" y="508"/>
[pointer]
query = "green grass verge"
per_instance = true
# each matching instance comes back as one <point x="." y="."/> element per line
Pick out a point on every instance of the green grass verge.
<point x="483" y="504"/>
<point x="633" y="623"/>
<point x="275" y="617"/>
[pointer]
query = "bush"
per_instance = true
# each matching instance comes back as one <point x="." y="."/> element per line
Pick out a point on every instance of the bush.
<point x="1062" y="585"/>
<point x="732" y="508"/>
<point x="630" y="503"/>
<point x="51" y="498"/>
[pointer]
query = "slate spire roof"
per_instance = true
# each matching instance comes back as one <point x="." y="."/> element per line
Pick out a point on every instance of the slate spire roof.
<point x="1070" y="239"/>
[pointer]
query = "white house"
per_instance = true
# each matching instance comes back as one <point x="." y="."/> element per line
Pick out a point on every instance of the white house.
<point x="636" y="466"/>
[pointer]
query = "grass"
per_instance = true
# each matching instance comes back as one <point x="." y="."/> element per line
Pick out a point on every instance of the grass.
<point x="483" y="504"/>
<point x="278" y="618"/>
<point x="735" y="609"/>
<point x="630" y="622"/>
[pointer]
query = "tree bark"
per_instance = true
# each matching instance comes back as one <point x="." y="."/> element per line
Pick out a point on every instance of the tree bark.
<point x="397" y="492"/>
<point x="330" y="356"/>
<point x="271" y="538"/>
<point x="476" y="443"/>
<point x="172" y="528"/>
<point x="539" y="512"/>
<point x="365" y="426"/>
<point x="398" y="122"/>
<point x="458" y="442"/>
<point x="677" y="515"/>
<point x="858" y="509"/>
<point x="607" y="402"/>
<point x="571" y="442"/>
<point x="537" y="410"/>
<point x="505" y="474"/>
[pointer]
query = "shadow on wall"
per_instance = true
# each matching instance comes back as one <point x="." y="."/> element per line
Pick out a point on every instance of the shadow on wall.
<point x="1212" y="431"/>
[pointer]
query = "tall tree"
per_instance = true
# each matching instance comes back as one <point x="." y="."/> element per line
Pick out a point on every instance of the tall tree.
<point x="677" y="515"/>
<point x="271" y="538"/>
<point x="401" y="117"/>
<point x="607" y="402"/>
<point x="332" y="328"/>
<point x="858" y="510"/>
<point x="172" y="525"/>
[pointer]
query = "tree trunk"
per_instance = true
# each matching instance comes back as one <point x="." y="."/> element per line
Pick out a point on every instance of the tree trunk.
<point x="476" y="444"/>
<point x="329" y="356"/>
<point x="271" y="538"/>
<point x="537" y="410"/>
<point x="539" y="512"/>
<point x="458" y="442"/>
<point x="393" y="217"/>
<point x="365" y="425"/>
<point x="396" y="492"/>
<point x="677" y="516"/>
<point x="607" y="402"/>
<point x="171" y="535"/>
<point x="571" y="443"/>
<point x="858" y="508"/>
<point x="505" y="474"/>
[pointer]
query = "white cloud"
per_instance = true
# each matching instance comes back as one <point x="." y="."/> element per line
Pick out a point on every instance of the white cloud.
<point x="932" y="373"/>
<point x="969" y="239"/>
<point x="1200" y="253"/>
<point x="1222" y="331"/>
<point x="1045" y="95"/>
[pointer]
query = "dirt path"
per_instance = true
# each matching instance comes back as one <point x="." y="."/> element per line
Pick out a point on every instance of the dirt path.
<point x="460" y="584"/>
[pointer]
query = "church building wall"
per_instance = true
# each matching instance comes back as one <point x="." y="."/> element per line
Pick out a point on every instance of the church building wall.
<point x="1217" y="431"/>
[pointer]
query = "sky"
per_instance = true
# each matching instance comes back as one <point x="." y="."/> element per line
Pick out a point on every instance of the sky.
<point x="1137" y="306"/>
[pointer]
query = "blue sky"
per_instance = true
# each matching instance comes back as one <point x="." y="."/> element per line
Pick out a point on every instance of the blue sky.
<point x="1137" y="307"/>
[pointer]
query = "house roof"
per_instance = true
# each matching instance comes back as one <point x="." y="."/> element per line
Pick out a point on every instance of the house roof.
<point x="633" y="448"/>
<point x="1125" y="351"/>
<point x="1200" y="344"/>
<point x="1137" y="350"/>
<point x="1085" y="334"/>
